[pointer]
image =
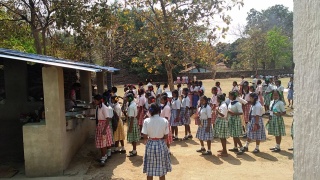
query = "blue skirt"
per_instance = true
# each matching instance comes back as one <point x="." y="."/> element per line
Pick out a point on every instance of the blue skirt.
<point x="156" y="158"/>
<point x="290" y="94"/>
<point x="195" y="99"/>
<point x="174" y="114"/>
<point x="201" y="132"/>
<point x="260" y="134"/>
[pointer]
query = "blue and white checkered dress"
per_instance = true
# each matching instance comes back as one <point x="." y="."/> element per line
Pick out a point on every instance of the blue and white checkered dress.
<point x="260" y="134"/>
<point x="201" y="132"/>
<point x="174" y="114"/>
<point x="156" y="158"/>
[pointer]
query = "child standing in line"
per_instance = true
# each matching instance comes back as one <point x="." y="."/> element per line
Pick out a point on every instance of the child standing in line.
<point x="234" y="120"/>
<point x="280" y="89"/>
<point x="205" y="131"/>
<point x="235" y="86"/>
<point x="158" y="93"/>
<point x="133" y="134"/>
<point x="214" y="103"/>
<point x="190" y="95"/>
<point x="267" y="95"/>
<point x="195" y="97"/>
<point x="259" y="92"/>
<point x="179" y="91"/>
<point x="221" y="127"/>
<point x="185" y="114"/>
<point x="103" y="134"/>
<point x="118" y="135"/>
<point x="219" y="90"/>
<point x="246" y="107"/>
<point x="256" y="130"/>
<point x="156" y="158"/>
<point x="276" y="123"/>
<point x="141" y="107"/>
<point x="290" y="92"/>
<point x="175" y="114"/>
<point x="166" y="113"/>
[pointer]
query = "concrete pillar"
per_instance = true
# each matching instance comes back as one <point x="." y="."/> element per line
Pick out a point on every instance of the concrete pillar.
<point x="306" y="54"/>
<point x="45" y="150"/>
<point x="16" y="80"/>
<point x="100" y="82"/>
<point x="86" y="87"/>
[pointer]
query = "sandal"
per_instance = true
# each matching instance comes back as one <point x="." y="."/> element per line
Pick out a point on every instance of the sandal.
<point x="132" y="154"/>
<point x="222" y="155"/>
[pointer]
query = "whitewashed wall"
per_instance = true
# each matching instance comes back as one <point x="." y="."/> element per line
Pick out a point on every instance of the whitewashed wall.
<point x="307" y="89"/>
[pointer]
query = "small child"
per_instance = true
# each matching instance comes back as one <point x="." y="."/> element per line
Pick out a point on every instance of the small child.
<point x="256" y="130"/>
<point x="141" y="107"/>
<point x="166" y="113"/>
<point x="133" y="134"/>
<point x="118" y="134"/>
<point x="185" y="114"/>
<point x="175" y="120"/>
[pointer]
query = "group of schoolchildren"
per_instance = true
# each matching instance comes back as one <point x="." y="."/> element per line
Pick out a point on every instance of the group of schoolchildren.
<point x="155" y="115"/>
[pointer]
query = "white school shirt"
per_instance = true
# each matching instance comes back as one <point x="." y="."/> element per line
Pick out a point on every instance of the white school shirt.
<point x="175" y="104"/>
<point x="277" y="107"/>
<point x="235" y="88"/>
<point x="259" y="89"/>
<point x="280" y="88"/>
<point x="185" y="102"/>
<point x="247" y="97"/>
<point x="205" y="112"/>
<point x="166" y="112"/>
<point x="117" y="109"/>
<point x="159" y="91"/>
<point x="214" y="99"/>
<point x="242" y="81"/>
<point x="236" y="108"/>
<point x="104" y="112"/>
<point x="191" y="89"/>
<point x="180" y="92"/>
<point x="167" y="89"/>
<point x="155" y="127"/>
<point x="241" y="100"/>
<point x="142" y="100"/>
<point x="132" y="110"/>
<point x="256" y="110"/>
<point x="202" y="88"/>
<point x="219" y="91"/>
<point x="223" y="110"/>
<point x="254" y="81"/>
<point x="196" y="89"/>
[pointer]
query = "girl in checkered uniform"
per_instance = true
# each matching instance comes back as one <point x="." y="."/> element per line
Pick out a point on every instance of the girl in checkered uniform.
<point x="133" y="134"/>
<point x="141" y="107"/>
<point x="276" y="123"/>
<point x="118" y="135"/>
<point x="103" y="133"/>
<point x="221" y="127"/>
<point x="185" y="114"/>
<point x="156" y="158"/>
<point x="234" y="120"/>
<point x="166" y="113"/>
<point x="256" y="130"/>
<point x="205" y="131"/>
<point x="175" y="120"/>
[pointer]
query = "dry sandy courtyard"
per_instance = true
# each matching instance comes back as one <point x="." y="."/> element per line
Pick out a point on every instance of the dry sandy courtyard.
<point x="188" y="164"/>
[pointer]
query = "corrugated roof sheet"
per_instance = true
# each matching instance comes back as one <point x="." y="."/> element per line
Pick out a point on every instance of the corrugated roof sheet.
<point x="49" y="60"/>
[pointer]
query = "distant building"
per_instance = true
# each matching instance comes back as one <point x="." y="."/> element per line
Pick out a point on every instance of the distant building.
<point x="194" y="69"/>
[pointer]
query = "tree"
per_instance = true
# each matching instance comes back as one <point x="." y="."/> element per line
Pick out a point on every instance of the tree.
<point x="279" y="47"/>
<point x="173" y="26"/>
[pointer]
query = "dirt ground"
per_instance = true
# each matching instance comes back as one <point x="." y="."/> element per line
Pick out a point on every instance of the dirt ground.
<point x="187" y="163"/>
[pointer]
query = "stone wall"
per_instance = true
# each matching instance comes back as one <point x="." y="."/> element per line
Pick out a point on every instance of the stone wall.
<point x="123" y="77"/>
<point x="306" y="55"/>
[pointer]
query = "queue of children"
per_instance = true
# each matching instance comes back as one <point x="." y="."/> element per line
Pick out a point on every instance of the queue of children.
<point x="155" y="116"/>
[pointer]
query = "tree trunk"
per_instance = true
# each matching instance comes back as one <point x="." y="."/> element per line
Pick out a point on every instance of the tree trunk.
<point x="44" y="41"/>
<point x="169" y="69"/>
<point x="273" y="64"/>
<point x="214" y="72"/>
<point x="37" y="43"/>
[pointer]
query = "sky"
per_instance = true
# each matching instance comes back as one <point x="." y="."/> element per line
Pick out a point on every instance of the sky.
<point x="239" y="16"/>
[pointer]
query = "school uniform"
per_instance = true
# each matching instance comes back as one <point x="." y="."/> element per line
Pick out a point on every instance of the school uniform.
<point x="290" y="90"/>
<point x="276" y="124"/>
<point x="134" y="136"/>
<point x="214" y="102"/>
<point x="156" y="158"/>
<point x="102" y="141"/>
<point x="234" y="122"/>
<point x="195" y="96"/>
<point x="219" y="90"/>
<point x="175" y="106"/>
<point x="246" y="107"/>
<point x="166" y="90"/>
<point x="202" y="89"/>
<point x="159" y="92"/>
<point x="141" y="104"/>
<point x="267" y="94"/>
<point x="184" y="111"/>
<point x="118" y="135"/>
<point x="204" y="114"/>
<point x="235" y="88"/>
<point x="281" y="89"/>
<point x="221" y="127"/>
<point x="166" y="113"/>
<point x="259" y="92"/>
<point x="260" y="134"/>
